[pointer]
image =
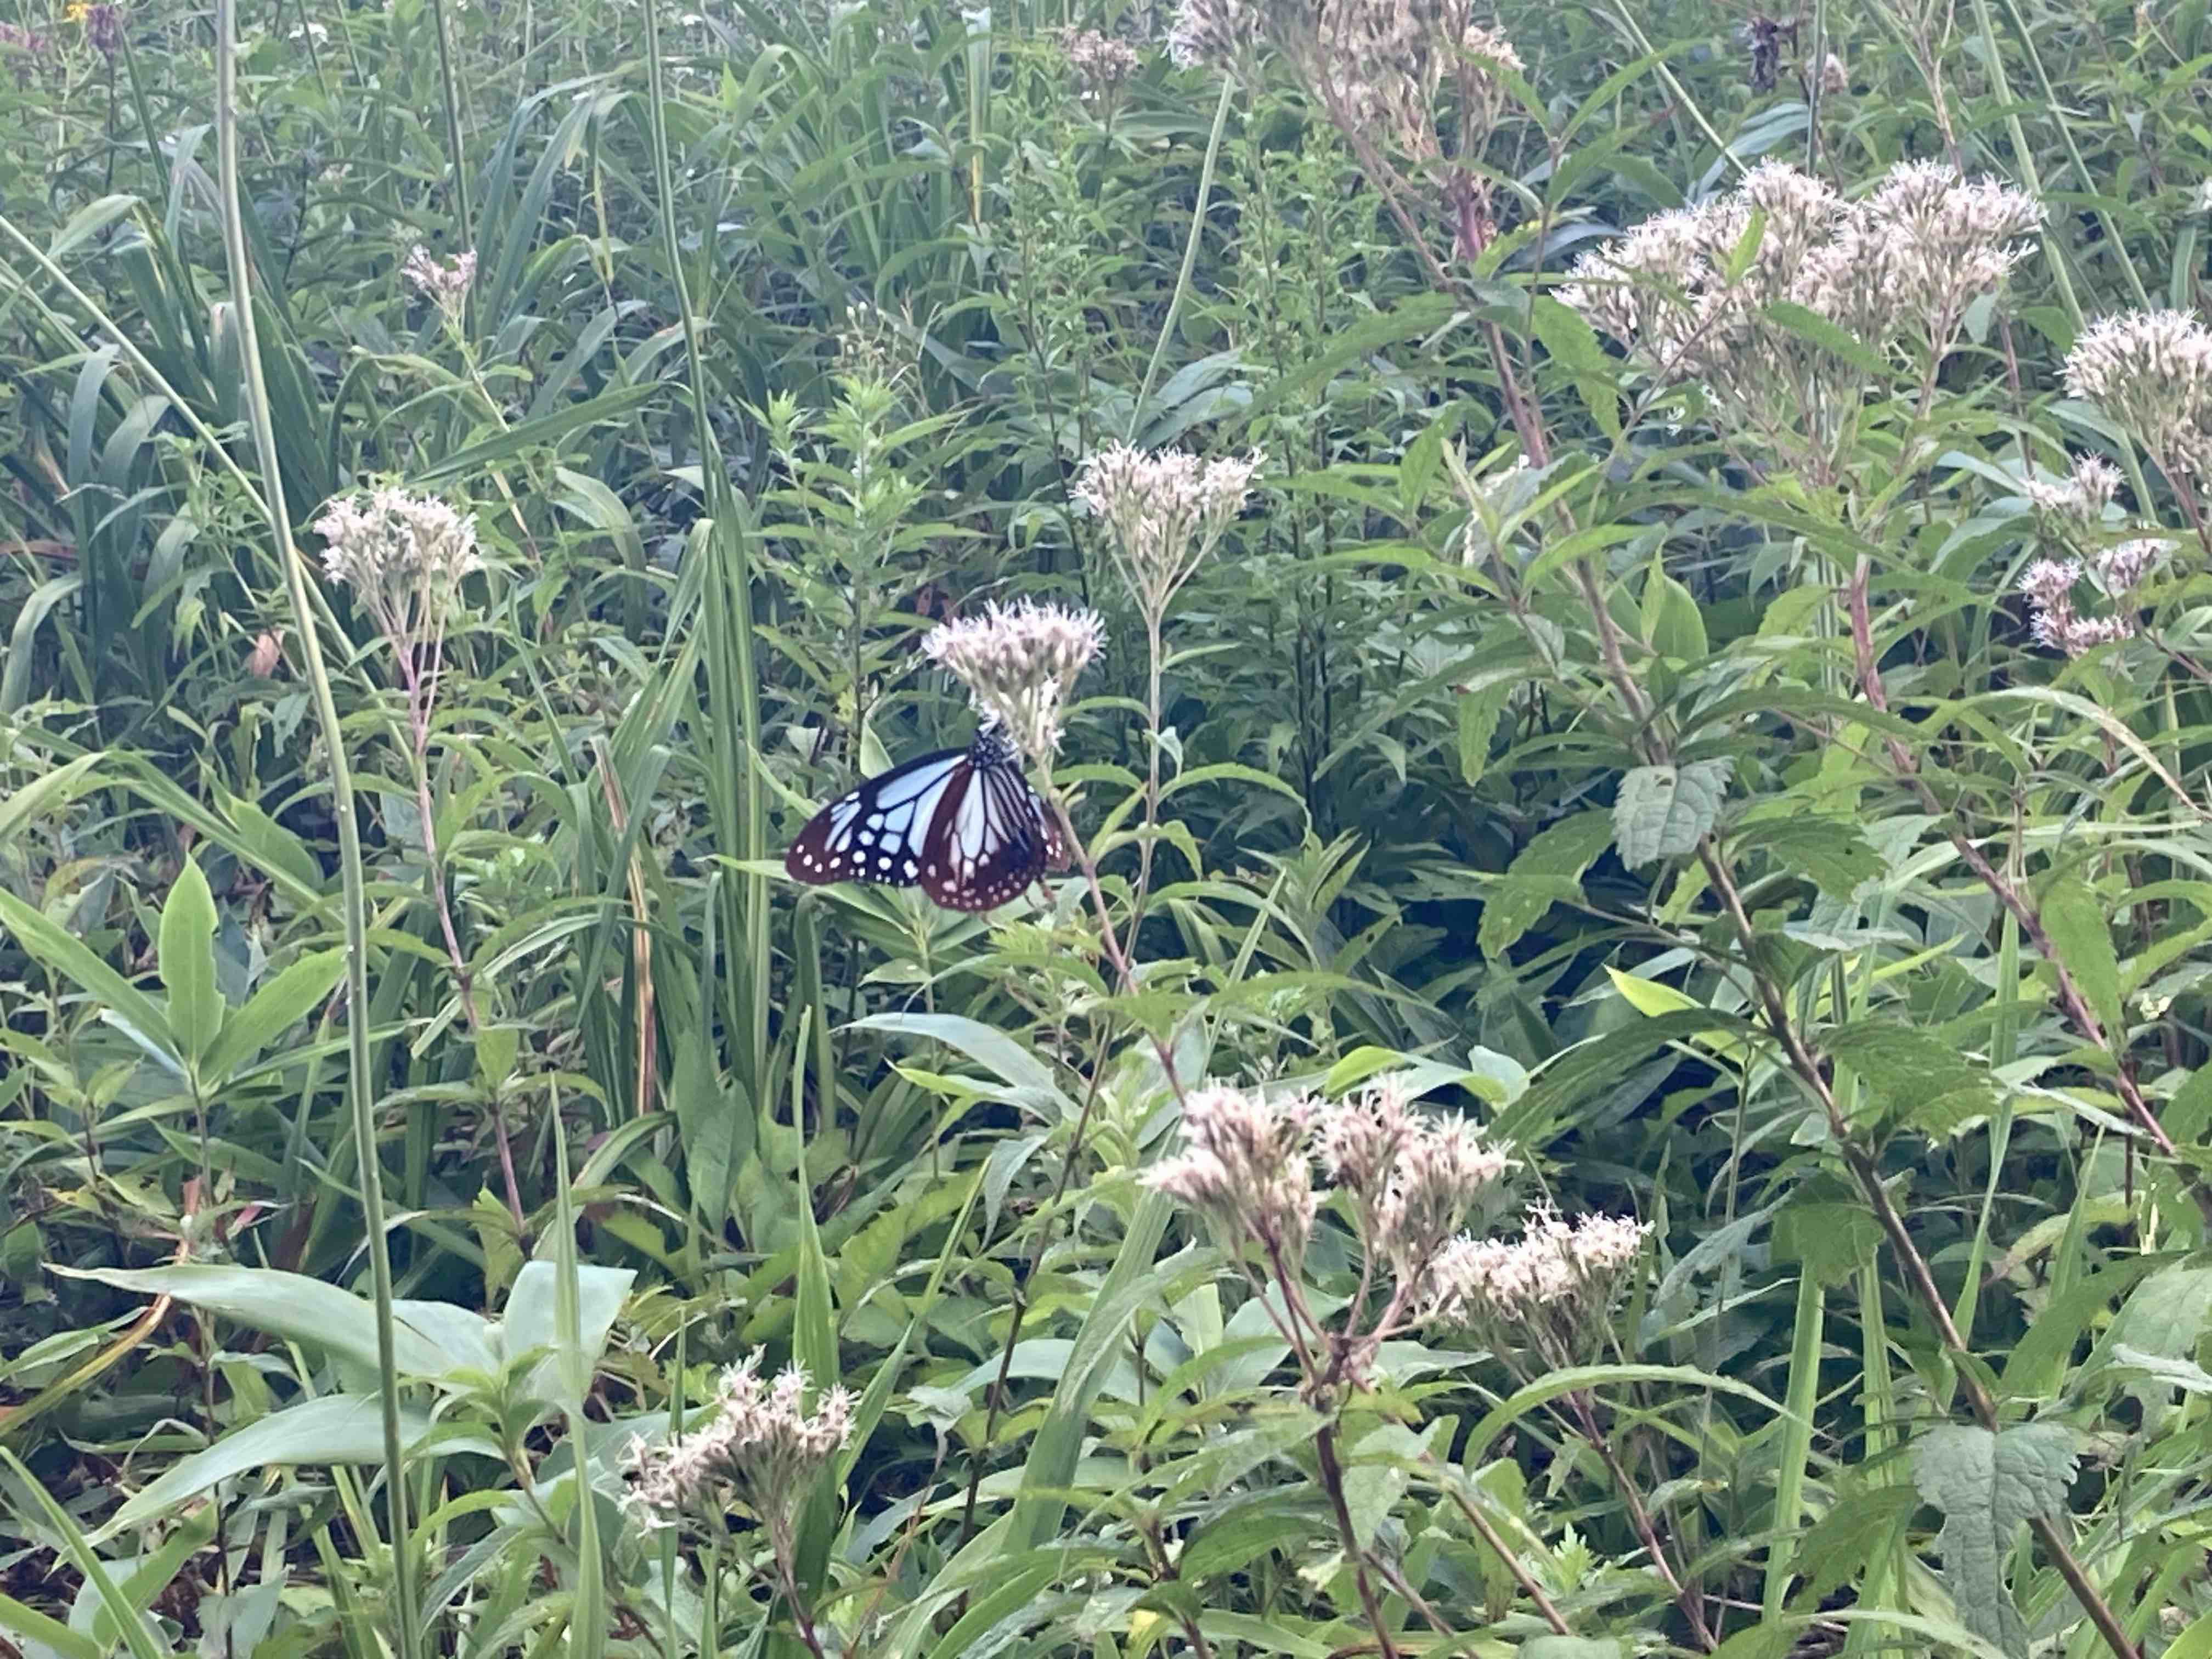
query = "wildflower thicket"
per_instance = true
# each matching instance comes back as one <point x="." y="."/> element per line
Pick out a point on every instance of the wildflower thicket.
<point x="1307" y="827"/>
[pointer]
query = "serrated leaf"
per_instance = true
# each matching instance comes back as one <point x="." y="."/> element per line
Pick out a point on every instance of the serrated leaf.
<point x="1988" y="1485"/>
<point x="1829" y="853"/>
<point x="1662" y="812"/>
<point x="1912" y="1077"/>
<point x="1478" y="722"/>
<point x="2168" y="1314"/>
<point x="1548" y="869"/>
<point x="2073" y="920"/>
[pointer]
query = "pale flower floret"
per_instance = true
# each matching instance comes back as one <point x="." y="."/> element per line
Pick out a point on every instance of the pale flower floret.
<point x="1247" y="1167"/>
<point x="445" y="284"/>
<point x="2151" y="371"/>
<point x="762" y="1448"/>
<point x="1163" y="513"/>
<point x="1019" y="662"/>
<point x="2048" y="585"/>
<point x="2081" y="496"/>
<point x="1687" y="291"/>
<point x="403" y="554"/>
<point x="1103" y="65"/>
<point x="1549" y="1292"/>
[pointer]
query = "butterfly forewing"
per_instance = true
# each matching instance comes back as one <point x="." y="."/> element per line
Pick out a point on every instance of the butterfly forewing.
<point x="875" y="833"/>
<point x="963" y="823"/>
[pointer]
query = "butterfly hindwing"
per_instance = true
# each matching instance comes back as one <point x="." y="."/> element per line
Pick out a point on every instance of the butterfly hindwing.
<point x="986" y="845"/>
<point x="964" y="823"/>
<point x="875" y="832"/>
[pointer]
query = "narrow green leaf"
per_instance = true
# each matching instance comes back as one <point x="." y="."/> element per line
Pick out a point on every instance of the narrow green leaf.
<point x="62" y="953"/>
<point x="2074" y="919"/>
<point x="279" y="1006"/>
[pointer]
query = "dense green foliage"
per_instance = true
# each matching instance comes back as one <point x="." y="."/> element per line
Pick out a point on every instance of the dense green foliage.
<point x="1704" y="731"/>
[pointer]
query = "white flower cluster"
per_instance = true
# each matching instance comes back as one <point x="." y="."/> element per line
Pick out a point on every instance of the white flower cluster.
<point x="1686" y="291"/>
<point x="404" y="556"/>
<point x="1249" y="1165"/>
<point x="1380" y="62"/>
<point x="1018" y="662"/>
<point x="444" y="283"/>
<point x="1548" y="1292"/>
<point x="2151" y="371"/>
<point x="762" y="1448"/>
<point x="1162" y="512"/>
<point x="2078" y="499"/>
<point x="1103" y="65"/>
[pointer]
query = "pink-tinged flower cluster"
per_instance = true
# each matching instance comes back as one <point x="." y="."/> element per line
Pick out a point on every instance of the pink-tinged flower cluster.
<point x="1018" y="662"/>
<point x="762" y="1448"/>
<point x="444" y="283"/>
<point x="1687" y="292"/>
<point x="1247" y="1167"/>
<point x="1411" y="1176"/>
<point x="2079" y="500"/>
<point x="1163" y="513"/>
<point x="1549" y="1293"/>
<point x="2151" y="371"/>
<point x="1103" y="65"/>
<point x="2049" y="586"/>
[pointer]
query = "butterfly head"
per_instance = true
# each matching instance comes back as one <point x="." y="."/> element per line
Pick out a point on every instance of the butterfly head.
<point x="992" y="747"/>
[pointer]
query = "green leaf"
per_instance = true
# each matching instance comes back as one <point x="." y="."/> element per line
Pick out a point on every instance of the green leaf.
<point x="2194" y="1642"/>
<point x="1912" y="1078"/>
<point x="2168" y="1314"/>
<point x="61" y="952"/>
<point x="187" y="936"/>
<point x="1827" y="852"/>
<point x="275" y="1009"/>
<point x="1573" y="344"/>
<point x="1988" y="1485"/>
<point x="339" y="1428"/>
<point x="1662" y="812"/>
<point x="1028" y="1081"/>
<point x="306" y="1310"/>
<point x="1673" y="624"/>
<point x="1478" y="722"/>
<point x="1548" y="869"/>
<point x="2074" y="920"/>
<point x="1810" y="325"/>
<point x="532" y="1323"/>
<point x="1571" y="1647"/>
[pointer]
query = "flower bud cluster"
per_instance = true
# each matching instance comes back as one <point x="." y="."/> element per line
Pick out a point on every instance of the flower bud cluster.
<point x="762" y="1448"/>
<point x="1548" y="1293"/>
<point x="1018" y="662"/>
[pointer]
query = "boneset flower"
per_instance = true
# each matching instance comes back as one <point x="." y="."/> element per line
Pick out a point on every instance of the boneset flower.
<point x="1246" y="1168"/>
<point x="2080" y="497"/>
<point x="1018" y="662"/>
<point x="2048" y="585"/>
<point x="2151" y="371"/>
<point x="1164" y="513"/>
<point x="403" y="554"/>
<point x="1103" y="65"/>
<point x="762" y="1448"/>
<point x="1550" y="1292"/>
<point x="446" y="284"/>
<point x="1904" y="264"/>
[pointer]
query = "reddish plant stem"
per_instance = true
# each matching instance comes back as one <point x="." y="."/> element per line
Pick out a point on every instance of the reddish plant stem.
<point x="2070" y="997"/>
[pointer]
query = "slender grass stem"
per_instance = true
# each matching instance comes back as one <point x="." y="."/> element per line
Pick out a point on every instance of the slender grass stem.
<point x="1189" y="255"/>
<point x="406" y="1632"/>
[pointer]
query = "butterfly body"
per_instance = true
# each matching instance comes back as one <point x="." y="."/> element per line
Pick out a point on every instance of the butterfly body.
<point x="962" y="824"/>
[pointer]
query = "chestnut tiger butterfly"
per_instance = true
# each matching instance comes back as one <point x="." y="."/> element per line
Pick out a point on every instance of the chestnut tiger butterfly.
<point x="962" y="824"/>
